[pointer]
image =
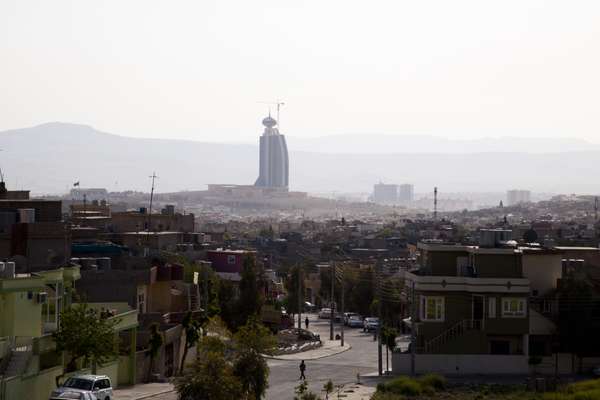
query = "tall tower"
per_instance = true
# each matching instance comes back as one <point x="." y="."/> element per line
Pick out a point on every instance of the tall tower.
<point x="274" y="161"/>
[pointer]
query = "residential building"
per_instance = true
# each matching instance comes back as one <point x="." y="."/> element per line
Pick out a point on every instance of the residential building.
<point x="33" y="234"/>
<point x="89" y="194"/>
<point x="167" y="220"/>
<point x="474" y="302"/>
<point x="406" y="193"/>
<point x="29" y="363"/>
<point x="516" y="196"/>
<point x="385" y="193"/>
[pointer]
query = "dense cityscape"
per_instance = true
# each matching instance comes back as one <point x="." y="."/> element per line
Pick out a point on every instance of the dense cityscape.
<point x="230" y="200"/>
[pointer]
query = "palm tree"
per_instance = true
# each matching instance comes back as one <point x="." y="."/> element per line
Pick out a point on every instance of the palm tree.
<point x="192" y="330"/>
<point x="388" y="336"/>
<point x="155" y="343"/>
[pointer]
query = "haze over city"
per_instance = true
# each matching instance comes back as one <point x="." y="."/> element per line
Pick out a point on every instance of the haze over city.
<point x="198" y="70"/>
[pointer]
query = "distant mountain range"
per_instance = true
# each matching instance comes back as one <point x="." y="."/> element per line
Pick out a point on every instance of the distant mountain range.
<point x="49" y="158"/>
<point x="389" y="144"/>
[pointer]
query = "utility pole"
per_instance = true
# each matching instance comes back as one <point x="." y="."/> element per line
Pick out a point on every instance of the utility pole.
<point x="299" y="297"/>
<point x="435" y="192"/>
<point x="379" y="299"/>
<point x="332" y="305"/>
<point x="413" y="325"/>
<point x="151" y="198"/>
<point x="205" y="286"/>
<point x="343" y="302"/>
<point x="84" y="209"/>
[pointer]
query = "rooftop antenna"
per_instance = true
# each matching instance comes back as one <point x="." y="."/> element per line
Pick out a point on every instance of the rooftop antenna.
<point x="277" y="103"/>
<point x="435" y="203"/>
<point x="153" y="176"/>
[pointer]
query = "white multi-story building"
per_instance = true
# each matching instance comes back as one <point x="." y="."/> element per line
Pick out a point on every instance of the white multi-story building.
<point x="516" y="196"/>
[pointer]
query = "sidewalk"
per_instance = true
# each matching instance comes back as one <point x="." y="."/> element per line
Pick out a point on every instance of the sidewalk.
<point x="142" y="391"/>
<point x="328" y="348"/>
<point x="355" y="391"/>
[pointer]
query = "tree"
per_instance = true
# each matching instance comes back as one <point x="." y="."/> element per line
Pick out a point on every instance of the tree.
<point x="254" y="336"/>
<point x="227" y="303"/>
<point x="578" y="325"/>
<point x="388" y="337"/>
<point x="251" y="296"/>
<point x="193" y="333"/>
<point x="294" y="282"/>
<point x="253" y="373"/>
<point x="251" y="341"/>
<point x="85" y="335"/>
<point x="211" y="377"/>
<point x="154" y="345"/>
<point x="391" y="302"/>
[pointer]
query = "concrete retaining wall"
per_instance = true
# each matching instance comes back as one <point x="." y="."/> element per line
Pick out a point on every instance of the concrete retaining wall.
<point x="461" y="364"/>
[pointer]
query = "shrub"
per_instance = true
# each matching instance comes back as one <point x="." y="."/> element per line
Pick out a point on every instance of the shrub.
<point x="387" y="396"/>
<point x="434" y="381"/>
<point x="403" y="385"/>
<point x="556" y="396"/>
<point x="587" y="395"/>
<point x="583" y="386"/>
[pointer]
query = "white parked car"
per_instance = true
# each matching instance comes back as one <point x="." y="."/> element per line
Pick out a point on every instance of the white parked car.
<point x="325" y="313"/>
<point x="74" y="395"/>
<point x="347" y="316"/>
<point x="97" y="385"/>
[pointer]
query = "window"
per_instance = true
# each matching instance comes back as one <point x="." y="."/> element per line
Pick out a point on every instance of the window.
<point x="513" y="307"/>
<point x="499" y="347"/>
<point x="231" y="259"/>
<point x="547" y="306"/>
<point x="432" y="308"/>
<point x="492" y="307"/>
<point x="141" y="300"/>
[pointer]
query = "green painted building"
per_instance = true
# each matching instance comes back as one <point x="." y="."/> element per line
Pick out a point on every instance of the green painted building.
<point x="30" y="308"/>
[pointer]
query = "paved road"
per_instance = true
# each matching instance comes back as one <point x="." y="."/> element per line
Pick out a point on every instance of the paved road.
<point x="341" y="368"/>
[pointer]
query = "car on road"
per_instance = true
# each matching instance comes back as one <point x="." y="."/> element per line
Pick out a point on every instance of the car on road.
<point x="74" y="395"/>
<point x="370" y="324"/>
<point x="97" y="385"/>
<point x="347" y="316"/>
<point x="355" y="321"/>
<point x="325" y="313"/>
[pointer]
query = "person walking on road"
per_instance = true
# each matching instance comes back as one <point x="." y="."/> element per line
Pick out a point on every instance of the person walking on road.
<point x="302" y="369"/>
<point x="306" y="323"/>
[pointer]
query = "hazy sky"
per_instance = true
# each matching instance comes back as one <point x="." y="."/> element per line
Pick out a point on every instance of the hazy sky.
<point x="197" y="69"/>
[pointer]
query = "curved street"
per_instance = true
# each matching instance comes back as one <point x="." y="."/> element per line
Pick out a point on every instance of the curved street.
<point x="341" y="368"/>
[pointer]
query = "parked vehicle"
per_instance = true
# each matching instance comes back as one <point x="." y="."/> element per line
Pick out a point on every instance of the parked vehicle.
<point x="71" y="395"/>
<point x="325" y="313"/>
<point x="370" y="324"/>
<point x="347" y="316"/>
<point x="98" y="385"/>
<point x="355" y="321"/>
<point x="338" y="317"/>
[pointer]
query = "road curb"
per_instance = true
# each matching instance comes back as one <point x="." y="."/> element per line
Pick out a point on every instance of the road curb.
<point x="150" y="395"/>
<point x="346" y="348"/>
